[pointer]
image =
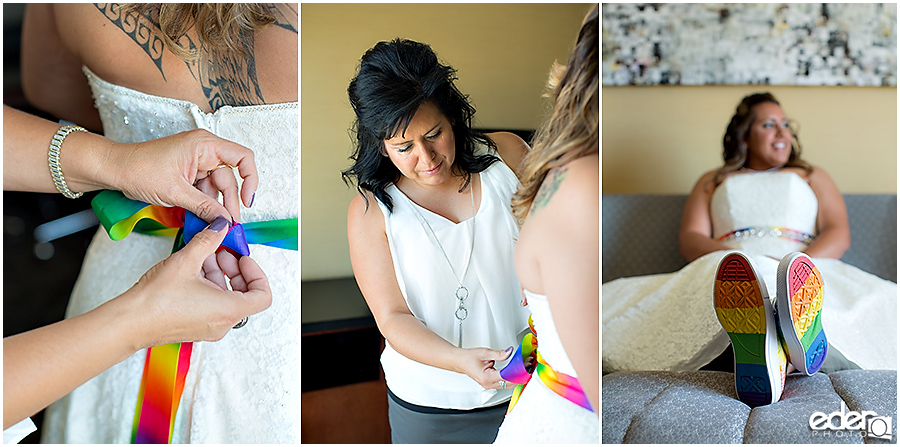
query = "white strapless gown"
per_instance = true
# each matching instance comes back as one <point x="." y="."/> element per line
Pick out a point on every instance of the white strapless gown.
<point x="667" y="321"/>
<point x="541" y="415"/>
<point x="244" y="388"/>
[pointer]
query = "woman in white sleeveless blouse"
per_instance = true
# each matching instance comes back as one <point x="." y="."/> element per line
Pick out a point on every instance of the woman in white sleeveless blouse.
<point x="431" y="243"/>
<point x="151" y="73"/>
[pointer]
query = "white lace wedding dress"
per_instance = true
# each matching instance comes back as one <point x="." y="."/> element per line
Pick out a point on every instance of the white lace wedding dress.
<point x="540" y="415"/>
<point x="244" y="388"/>
<point x="667" y="321"/>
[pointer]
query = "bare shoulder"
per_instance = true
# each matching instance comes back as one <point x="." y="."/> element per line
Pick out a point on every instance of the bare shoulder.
<point x="574" y="184"/>
<point x="511" y="148"/>
<point x="822" y="184"/>
<point x="707" y="182"/>
<point x="818" y="175"/>
<point x="364" y="214"/>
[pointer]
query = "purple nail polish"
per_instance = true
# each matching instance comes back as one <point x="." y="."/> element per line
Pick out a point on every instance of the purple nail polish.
<point x="218" y="224"/>
<point x="252" y="199"/>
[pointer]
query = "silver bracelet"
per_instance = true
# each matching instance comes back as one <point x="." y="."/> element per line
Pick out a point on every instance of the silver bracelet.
<point x="55" y="168"/>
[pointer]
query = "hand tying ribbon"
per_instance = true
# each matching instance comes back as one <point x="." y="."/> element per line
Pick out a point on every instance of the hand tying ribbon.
<point x="166" y="366"/>
<point x="528" y="360"/>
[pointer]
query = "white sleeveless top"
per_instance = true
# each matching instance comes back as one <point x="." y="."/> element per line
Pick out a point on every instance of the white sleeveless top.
<point x="244" y="388"/>
<point x="428" y="285"/>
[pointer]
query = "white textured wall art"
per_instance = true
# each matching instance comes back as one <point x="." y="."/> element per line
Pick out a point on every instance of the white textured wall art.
<point x="738" y="44"/>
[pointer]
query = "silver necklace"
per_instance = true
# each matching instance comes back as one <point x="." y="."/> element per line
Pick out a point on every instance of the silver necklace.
<point x="462" y="293"/>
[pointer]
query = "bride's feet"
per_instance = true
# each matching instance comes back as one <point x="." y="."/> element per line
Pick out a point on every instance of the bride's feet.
<point x="743" y="307"/>
<point x="799" y="305"/>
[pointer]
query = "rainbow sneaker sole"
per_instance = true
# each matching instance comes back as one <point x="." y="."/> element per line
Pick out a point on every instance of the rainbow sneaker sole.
<point x="801" y="292"/>
<point x="743" y="307"/>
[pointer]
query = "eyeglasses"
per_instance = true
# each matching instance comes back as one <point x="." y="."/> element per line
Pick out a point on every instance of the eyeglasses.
<point x="788" y="124"/>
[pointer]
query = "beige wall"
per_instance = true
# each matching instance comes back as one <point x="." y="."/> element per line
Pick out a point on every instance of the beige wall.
<point x="661" y="139"/>
<point x="502" y="53"/>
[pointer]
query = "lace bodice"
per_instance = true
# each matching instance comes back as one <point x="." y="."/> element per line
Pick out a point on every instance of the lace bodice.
<point x="768" y="213"/>
<point x="271" y="131"/>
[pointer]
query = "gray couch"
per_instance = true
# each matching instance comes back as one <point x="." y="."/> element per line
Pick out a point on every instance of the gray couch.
<point x="639" y="238"/>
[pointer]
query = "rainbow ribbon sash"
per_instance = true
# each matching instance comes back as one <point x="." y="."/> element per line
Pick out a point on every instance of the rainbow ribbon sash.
<point x="166" y="366"/>
<point x="520" y="372"/>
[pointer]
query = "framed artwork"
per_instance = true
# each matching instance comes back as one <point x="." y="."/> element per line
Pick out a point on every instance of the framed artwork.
<point x="747" y="44"/>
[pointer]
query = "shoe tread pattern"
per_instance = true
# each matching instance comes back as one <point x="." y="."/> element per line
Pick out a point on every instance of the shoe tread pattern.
<point x="806" y="294"/>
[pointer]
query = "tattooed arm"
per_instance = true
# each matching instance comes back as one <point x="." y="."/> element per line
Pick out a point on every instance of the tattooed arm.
<point x="558" y="255"/>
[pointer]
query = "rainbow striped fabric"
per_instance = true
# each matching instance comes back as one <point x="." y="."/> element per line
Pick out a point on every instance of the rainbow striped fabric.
<point x="520" y="371"/>
<point x="166" y="366"/>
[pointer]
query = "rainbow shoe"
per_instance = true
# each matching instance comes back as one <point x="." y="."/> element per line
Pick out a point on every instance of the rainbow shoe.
<point x="743" y="307"/>
<point x="799" y="306"/>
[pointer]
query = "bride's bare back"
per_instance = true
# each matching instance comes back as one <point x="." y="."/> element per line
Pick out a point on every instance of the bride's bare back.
<point x="129" y="50"/>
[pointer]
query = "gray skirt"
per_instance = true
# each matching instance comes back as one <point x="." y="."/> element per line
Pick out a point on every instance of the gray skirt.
<point x="415" y="424"/>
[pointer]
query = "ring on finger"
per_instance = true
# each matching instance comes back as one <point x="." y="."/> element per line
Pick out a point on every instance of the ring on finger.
<point x="219" y="166"/>
<point x="502" y="384"/>
<point x="241" y="324"/>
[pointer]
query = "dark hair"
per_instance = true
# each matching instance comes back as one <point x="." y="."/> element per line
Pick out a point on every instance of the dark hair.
<point x="393" y="80"/>
<point x="735" y="140"/>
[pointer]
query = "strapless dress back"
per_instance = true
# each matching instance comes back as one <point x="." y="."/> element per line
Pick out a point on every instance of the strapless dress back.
<point x="244" y="388"/>
<point x="541" y="416"/>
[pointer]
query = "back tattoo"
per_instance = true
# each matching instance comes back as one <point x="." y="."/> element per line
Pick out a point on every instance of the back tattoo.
<point x="227" y="78"/>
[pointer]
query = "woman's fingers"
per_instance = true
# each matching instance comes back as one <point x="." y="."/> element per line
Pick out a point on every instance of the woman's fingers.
<point x="238" y="156"/>
<point x="202" y="201"/>
<point x="229" y="265"/>
<point x="258" y="294"/>
<point x="223" y="181"/>
<point x="213" y="272"/>
<point x="204" y="244"/>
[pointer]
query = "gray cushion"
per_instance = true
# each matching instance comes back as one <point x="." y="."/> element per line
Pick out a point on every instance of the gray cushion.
<point x="702" y="407"/>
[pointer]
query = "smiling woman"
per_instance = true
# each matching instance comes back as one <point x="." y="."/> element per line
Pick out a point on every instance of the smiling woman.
<point x="799" y="226"/>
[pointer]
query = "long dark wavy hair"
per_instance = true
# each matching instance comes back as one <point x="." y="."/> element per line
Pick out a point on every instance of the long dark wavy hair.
<point x="393" y="80"/>
<point x="735" y="140"/>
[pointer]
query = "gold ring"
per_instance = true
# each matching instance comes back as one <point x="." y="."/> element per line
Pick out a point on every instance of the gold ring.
<point x="220" y="165"/>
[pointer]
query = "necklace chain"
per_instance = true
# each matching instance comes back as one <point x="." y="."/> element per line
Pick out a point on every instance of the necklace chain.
<point x="462" y="293"/>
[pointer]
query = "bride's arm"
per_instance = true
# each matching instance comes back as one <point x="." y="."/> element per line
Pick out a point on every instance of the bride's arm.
<point x="832" y="224"/>
<point x="162" y="172"/>
<point x="695" y="236"/>
<point x="566" y="238"/>
<point x="51" y="74"/>
<point x="172" y="302"/>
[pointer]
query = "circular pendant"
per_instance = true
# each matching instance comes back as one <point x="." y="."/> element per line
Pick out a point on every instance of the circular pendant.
<point x="462" y="293"/>
<point x="462" y="313"/>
